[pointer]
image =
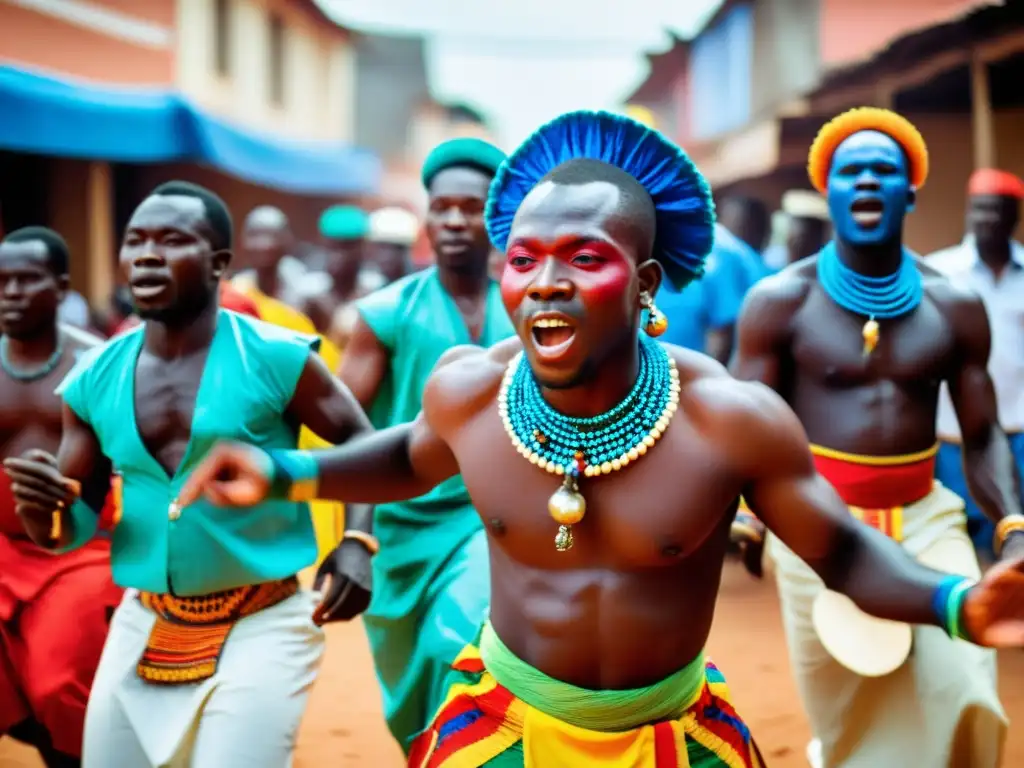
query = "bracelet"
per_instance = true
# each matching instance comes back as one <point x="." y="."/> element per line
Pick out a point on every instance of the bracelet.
<point x="1004" y="528"/>
<point x="948" y="605"/>
<point x="368" y="540"/>
<point x="294" y="475"/>
<point x="84" y="523"/>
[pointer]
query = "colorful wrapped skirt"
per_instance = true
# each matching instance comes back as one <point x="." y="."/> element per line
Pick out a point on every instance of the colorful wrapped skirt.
<point x="484" y="723"/>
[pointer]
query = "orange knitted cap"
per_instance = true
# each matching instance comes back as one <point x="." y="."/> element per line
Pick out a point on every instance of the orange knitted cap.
<point x="837" y="130"/>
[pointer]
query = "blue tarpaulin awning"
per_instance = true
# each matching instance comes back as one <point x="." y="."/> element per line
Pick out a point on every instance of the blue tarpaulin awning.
<point x="49" y="116"/>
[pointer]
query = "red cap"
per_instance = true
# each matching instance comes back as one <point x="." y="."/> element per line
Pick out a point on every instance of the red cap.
<point x="990" y="181"/>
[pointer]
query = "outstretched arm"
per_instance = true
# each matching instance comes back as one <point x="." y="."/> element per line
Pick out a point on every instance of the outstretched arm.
<point x="803" y="510"/>
<point x="990" y="469"/>
<point x="395" y="464"/>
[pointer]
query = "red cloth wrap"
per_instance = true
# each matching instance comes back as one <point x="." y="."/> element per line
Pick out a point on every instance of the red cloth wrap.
<point x="862" y="483"/>
<point x="45" y="669"/>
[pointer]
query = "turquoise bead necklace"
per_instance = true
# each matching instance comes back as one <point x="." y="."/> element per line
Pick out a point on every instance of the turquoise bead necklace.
<point x="886" y="297"/>
<point x="573" y="447"/>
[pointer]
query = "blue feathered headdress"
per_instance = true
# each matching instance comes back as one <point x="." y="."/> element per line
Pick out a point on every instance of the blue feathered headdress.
<point x="682" y="198"/>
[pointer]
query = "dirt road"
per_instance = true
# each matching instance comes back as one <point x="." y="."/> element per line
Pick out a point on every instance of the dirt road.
<point x="343" y="728"/>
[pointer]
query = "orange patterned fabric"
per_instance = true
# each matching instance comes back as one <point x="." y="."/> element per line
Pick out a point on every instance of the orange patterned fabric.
<point x="189" y="634"/>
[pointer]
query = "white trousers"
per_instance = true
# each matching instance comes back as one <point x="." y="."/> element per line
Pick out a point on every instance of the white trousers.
<point x="940" y="709"/>
<point x="247" y="714"/>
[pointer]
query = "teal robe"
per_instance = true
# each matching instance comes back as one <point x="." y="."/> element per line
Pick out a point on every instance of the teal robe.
<point x="431" y="579"/>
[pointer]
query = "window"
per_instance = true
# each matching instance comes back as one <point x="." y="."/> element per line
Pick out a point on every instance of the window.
<point x="275" y="60"/>
<point x="222" y="36"/>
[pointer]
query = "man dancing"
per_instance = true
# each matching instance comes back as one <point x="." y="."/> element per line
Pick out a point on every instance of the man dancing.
<point x="430" y="578"/>
<point x="858" y="340"/>
<point x="213" y="651"/>
<point x="607" y="468"/>
<point x="45" y="670"/>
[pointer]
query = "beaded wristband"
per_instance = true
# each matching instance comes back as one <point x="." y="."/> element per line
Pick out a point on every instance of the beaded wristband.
<point x="1006" y="526"/>
<point x="84" y="523"/>
<point x="948" y="605"/>
<point x="294" y="475"/>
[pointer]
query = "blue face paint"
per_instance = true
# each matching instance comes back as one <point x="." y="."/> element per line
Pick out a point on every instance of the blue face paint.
<point x="869" y="189"/>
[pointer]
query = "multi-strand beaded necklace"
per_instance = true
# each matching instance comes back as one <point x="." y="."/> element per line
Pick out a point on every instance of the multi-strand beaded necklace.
<point x="586" y="447"/>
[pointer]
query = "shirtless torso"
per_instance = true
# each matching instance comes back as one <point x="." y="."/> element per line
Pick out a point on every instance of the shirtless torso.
<point x="801" y="343"/>
<point x="30" y="414"/>
<point x="633" y="600"/>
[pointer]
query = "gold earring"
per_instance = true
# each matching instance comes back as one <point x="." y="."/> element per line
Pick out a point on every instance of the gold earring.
<point x="656" y="323"/>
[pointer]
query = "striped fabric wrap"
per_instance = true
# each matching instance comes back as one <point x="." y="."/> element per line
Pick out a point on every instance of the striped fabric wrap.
<point x="189" y="634"/>
<point x="482" y="723"/>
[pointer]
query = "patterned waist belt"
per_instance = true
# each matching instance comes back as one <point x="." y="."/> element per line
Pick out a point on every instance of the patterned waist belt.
<point x="188" y="637"/>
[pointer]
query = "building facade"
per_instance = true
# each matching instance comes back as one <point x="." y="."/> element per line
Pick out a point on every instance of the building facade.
<point x="104" y="99"/>
<point x="757" y="83"/>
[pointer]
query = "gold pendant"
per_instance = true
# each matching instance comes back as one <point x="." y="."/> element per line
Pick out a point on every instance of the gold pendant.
<point x="871" y="333"/>
<point x="567" y="507"/>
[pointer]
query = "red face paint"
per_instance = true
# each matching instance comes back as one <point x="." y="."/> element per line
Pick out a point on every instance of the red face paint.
<point x="594" y="273"/>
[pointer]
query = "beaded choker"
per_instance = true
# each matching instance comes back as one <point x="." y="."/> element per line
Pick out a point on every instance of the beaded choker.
<point x="884" y="297"/>
<point x="33" y="374"/>
<point x="586" y="447"/>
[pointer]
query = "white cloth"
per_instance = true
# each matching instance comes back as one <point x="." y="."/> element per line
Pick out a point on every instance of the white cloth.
<point x="1004" y="300"/>
<point x="247" y="714"/>
<point x="940" y="709"/>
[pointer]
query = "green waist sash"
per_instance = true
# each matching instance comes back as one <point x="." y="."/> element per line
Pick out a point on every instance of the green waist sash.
<point x="584" y="708"/>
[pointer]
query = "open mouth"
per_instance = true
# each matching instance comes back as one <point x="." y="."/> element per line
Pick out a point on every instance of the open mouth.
<point x="149" y="289"/>
<point x="867" y="213"/>
<point x="552" y="335"/>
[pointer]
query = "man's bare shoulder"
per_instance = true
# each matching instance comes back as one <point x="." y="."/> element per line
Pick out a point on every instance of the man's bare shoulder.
<point x="467" y="377"/>
<point x="784" y="292"/>
<point x="745" y="418"/>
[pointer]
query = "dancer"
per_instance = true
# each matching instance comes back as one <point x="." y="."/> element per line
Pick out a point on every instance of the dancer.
<point x="857" y="340"/>
<point x="213" y="651"/>
<point x="991" y="263"/>
<point x="594" y="650"/>
<point x="45" y="670"/>
<point x="430" y="578"/>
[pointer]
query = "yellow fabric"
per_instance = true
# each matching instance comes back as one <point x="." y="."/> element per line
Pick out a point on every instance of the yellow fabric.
<point x="544" y="738"/>
<point x="328" y="516"/>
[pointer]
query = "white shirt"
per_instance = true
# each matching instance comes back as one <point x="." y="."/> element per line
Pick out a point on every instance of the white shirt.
<point x="1004" y="301"/>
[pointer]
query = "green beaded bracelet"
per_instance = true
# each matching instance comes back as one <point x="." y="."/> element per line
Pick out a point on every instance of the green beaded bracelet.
<point x="955" y="608"/>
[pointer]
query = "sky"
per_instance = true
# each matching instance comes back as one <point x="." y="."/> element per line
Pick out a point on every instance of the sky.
<point x="522" y="62"/>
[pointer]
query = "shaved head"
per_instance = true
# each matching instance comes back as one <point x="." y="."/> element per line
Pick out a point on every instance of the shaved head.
<point x="634" y="205"/>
